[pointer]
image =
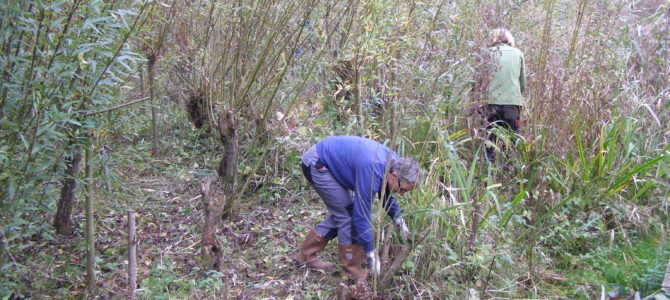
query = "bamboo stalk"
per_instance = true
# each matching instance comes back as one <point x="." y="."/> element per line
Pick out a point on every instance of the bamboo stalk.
<point x="30" y="75"/>
<point x="546" y="38"/>
<point x="580" y="15"/>
<point x="288" y="64"/>
<point x="152" y="96"/>
<point x="118" y="106"/>
<point x="476" y="215"/>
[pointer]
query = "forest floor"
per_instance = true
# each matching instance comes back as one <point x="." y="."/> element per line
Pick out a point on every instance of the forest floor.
<point x="258" y="244"/>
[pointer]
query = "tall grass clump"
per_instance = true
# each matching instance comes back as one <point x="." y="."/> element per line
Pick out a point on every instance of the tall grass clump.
<point x="589" y="170"/>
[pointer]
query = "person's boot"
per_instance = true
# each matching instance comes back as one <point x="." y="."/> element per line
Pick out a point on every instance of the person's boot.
<point x="307" y="255"/>
<point x="351" y="256"/>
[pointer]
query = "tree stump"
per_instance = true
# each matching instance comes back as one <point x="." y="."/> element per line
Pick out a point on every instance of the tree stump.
<point x="359" y="290"/>
<point x="213" y="202"/>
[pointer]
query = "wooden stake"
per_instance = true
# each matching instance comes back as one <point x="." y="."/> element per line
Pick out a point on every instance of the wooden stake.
<point x="132" y="255"/>
<point x="90" y="227"/>
<point x="666" y="280"/>
<point x="152" y="95"/>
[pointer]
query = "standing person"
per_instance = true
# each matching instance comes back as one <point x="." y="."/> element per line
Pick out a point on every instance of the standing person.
<point x="347" y="172"/>
<point x="507" y="83"/>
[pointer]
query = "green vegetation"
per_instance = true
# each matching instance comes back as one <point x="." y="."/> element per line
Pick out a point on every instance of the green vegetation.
<point x="579" y="205"/>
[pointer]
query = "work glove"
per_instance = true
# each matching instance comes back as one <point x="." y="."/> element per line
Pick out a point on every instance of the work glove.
<point x="373" y="262"/>
<point x="402" y="226"/>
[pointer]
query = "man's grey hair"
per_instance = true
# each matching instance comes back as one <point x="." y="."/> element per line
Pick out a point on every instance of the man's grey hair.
<point x="408" y="170"/>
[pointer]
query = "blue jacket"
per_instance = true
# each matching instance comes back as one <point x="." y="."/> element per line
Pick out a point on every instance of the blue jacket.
<point x="359" y="165"/>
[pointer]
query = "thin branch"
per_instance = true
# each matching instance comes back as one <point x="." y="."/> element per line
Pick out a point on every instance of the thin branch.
<point x="400" y="258"/>
<point x="116" y="107"/>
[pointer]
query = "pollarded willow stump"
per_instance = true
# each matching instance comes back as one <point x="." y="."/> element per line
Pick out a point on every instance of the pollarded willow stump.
<point x="214" y="203"/>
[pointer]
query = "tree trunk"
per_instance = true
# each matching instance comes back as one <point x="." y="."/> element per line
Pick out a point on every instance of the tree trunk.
<point x="62" y="221"/>
<point x="216" y="204"/>
<point x="228" y="167"/>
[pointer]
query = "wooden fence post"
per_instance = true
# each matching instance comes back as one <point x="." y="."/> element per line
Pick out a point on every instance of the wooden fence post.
<point x="90" y="224"/>
<point x="132" y="255"/>
<point x="666" y="280"/>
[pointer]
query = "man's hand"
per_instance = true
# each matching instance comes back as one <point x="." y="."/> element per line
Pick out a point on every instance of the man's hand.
<point x="373" y="262"/>
<point x="402" y="226"/>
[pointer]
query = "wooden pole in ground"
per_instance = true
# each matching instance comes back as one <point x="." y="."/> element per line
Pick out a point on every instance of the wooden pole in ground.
<point x="90" y="227"/>
<point x="666" y="280"/>
<point x="132" y="255"/>
<point x="152" y="95"/>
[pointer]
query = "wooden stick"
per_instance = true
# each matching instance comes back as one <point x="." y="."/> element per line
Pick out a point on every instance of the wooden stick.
<point x="666" y="280"/>
<point x="90" y="225"/>
<point x="116" y="107"/>
<point x="132" y="255"/>
<point x="475" y="225"/>
<point x="396" y="264"/>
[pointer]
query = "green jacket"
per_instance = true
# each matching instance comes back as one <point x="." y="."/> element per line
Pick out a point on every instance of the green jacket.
<point x="509" y="78"/>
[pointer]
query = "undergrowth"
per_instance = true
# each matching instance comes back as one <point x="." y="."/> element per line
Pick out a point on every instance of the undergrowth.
<point x="579" y="204"/>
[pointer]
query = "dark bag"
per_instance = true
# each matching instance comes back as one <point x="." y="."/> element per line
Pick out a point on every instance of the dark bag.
<point x="306" y="171"/>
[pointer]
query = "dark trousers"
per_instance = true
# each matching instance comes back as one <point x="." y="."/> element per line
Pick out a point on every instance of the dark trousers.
<point x="502" y="117"/>
<point x="338" y="200"/>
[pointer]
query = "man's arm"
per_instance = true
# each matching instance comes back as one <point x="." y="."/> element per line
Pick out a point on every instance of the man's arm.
<point x="391" y="206"/>
<point x="361" y="212"/>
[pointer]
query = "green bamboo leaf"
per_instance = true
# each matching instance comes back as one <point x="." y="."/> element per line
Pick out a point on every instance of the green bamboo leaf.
<point x="437" y="212"/>
<point x="600" y="157"/>
<point x="488" y="214"/>
<point x="620" y="187"/>
<point x="493" y="186"/>
<point x="580" y="151"/>
<point x="643" y="190"/>
<point x="513" y="204"/>
<point x="73" y="122"/>
<point x="25" y="143"/>
<point x="559" y="205"/>
<point x="121" y="61"/>
<point x="621" y="182"/>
